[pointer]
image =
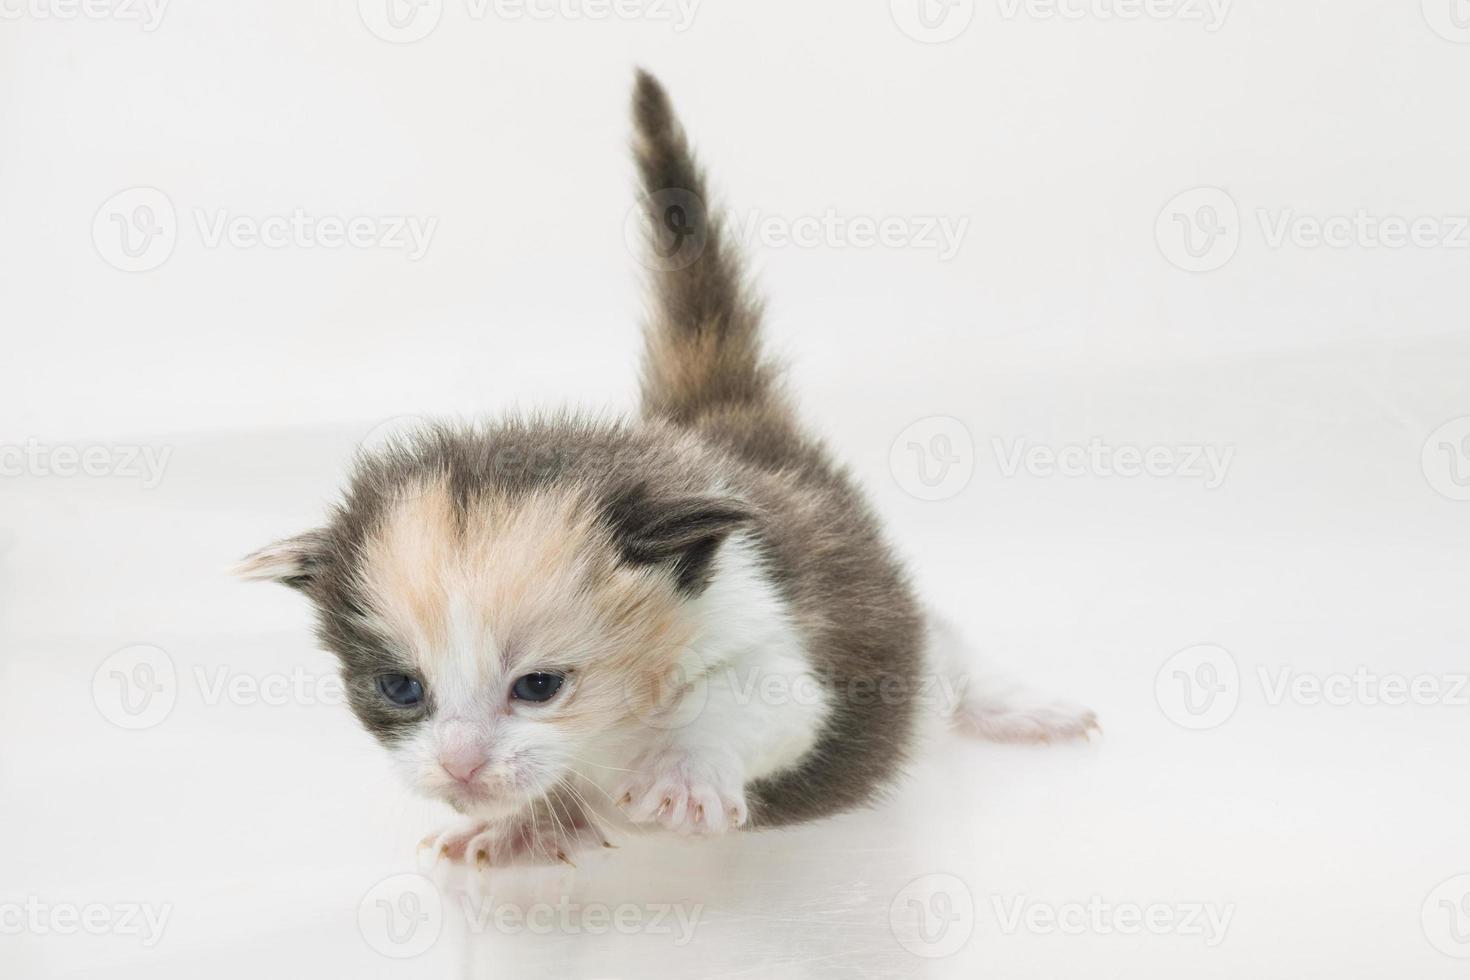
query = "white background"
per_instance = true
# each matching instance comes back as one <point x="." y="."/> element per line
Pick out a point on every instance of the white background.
<point x="1062" y="142"/>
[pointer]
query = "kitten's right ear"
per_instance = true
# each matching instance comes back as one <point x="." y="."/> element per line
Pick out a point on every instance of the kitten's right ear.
<point x="294" y="561"/>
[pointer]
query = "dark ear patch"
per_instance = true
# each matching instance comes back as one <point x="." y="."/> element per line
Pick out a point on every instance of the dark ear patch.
<point x="682" y="532"/>
<point x="294" y="561"/>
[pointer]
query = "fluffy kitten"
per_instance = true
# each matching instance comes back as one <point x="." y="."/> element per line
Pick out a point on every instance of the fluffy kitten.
<point x="689" y="620"/>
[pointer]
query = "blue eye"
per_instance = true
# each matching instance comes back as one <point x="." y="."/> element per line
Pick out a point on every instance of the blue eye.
<point x="401" y="689"/>
<point x="536" y="687"/>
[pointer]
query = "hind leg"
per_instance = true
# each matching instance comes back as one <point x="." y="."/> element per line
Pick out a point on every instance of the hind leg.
<point x="999" y="708"/>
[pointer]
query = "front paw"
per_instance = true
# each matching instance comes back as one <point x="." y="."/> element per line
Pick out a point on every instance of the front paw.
<point x="686" y="792"/>
<point x="546" y="838"/>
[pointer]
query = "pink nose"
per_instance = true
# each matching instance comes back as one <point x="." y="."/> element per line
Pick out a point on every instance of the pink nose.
<point x="462" y="765"/>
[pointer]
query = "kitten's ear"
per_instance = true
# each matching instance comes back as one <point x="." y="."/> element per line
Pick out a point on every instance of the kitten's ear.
<point x="294" y="561"/>
<point x="681" y="532"/>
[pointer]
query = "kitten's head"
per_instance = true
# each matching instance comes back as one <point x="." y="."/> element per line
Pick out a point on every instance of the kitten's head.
<point x="494" y="636"/>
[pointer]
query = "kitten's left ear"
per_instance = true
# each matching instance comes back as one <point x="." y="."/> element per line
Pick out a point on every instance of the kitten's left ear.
<point x="294" y="561"/>
<point x="682" y="533"/>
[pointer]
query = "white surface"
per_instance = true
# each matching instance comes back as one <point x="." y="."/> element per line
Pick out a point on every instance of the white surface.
<point x="1322" y="829"/>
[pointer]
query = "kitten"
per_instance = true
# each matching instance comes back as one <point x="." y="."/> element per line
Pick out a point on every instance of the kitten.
<point x="690" y="620"/>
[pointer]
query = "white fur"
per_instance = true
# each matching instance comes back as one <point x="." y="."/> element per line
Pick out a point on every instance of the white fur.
<point x="753" y="706"/>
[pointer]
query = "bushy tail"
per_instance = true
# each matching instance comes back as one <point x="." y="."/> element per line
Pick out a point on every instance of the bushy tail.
<point x="702" y="341"/>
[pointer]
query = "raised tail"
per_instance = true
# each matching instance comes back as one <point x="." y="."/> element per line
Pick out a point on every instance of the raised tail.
<point x="702" y="353"/>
